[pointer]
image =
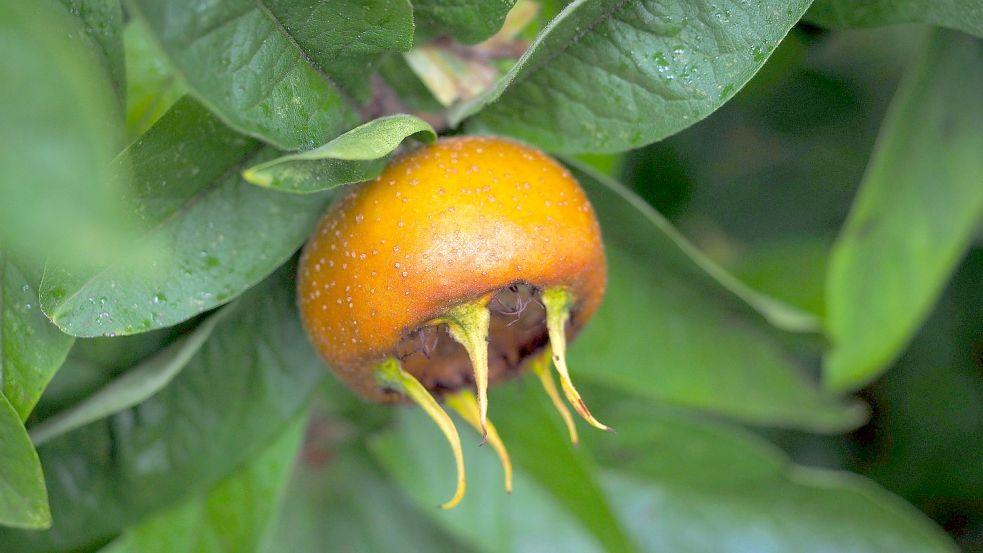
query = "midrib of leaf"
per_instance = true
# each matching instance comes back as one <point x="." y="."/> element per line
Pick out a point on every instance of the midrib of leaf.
<point x="184" y="207"/>
<point x="261" y="5"/>
<point x="205" y="101"/>
<point x="517" y="74"/>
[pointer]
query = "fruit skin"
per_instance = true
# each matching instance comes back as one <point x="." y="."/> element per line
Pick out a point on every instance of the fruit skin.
<point x="443" y="225"/>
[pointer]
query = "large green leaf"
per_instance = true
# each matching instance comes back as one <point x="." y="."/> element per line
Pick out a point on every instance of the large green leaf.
<point x="356" y="156"/>
<point x="686" y="485"/>
<point x="23" y="499"/>
<point x="345" y="39"/>
<point x="914" y="216"/>
<point x="468" y="20"/>
<point x="529" y="520"/>
<point x="678" y="329"/>
<point x="611" y="75"/>
<point x="31" y="348"/>
<point x="264" y="66"/>
<point x="234" y="516"/>
<point x="964" y="15"/>
<point x="103" y="22"/>
<point x="132" y="387"/>
<point x="211" y="235"/>
<point x="253" y="375"/>
<point x="57" y="137"/>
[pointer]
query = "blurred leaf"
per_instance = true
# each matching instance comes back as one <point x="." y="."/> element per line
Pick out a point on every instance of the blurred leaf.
<point x="151" y="85"/>
<point x="31" y="348"/>
<point x="358" y="155"/>
<point x="685" y="485"/>
<point x="928" y="439"/>
<point x="538" y="441"/>
<point x="963" y="15"/>
<point x="676" y="328"/>
<point x="213" y="235"/>
<point x="791" y="270"/>
<point x="56" y="139"/>
<point x="252" y="376"/>
<point x="103" y="22"/>
<point x="914" y="215"/>
<point x="469" y="21"/>
<point x="529" y="519"/>
<point x="350" y="505"/>
<point x="607" y="76"/>
<point x="234" y="516"/>
<point x="23" y="499"/>
<point x="616" y="199"/>
<point x="133" y="387"/>
<point x="249" y="64"/>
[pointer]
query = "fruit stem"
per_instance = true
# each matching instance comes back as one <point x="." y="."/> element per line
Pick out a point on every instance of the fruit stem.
<point x="466" y="405"/>
<point x="468" y="324"/>
<point x="390" y="374"/>
<point x="558" y="302"/>
<point x="540" y="365"/>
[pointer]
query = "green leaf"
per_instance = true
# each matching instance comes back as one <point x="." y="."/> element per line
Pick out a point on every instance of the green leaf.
<point x="23" y="499"/>
<point x="349" y="504"/>
<point x="345" y="39"/>
<point x="611" y="75"/>
<point x="151" y="85"/>
<point x="962" y="15"/>
<point x="249" y="65"/>
<point x="252" y="376"/>
<point x="914" y="216"/>
<point x="686" y="485"/>
<point x="132" y="387"/>
<point x="234" y="516"/>
<point x="58" y="135"/>
<point x="676" y="328"/>
<point x="529" y="519"/>
<point x="469" y="21"/>
<point x="791" y="269"/>
<point x="210" y="236"/>
<point x="358" y="155"/>
<point x="103" y="23"/>
<point x="31" y="348"/>
<point x="538" y="441"/>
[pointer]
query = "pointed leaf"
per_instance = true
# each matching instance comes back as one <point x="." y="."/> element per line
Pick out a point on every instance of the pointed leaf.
<point x="611" y="75"/>
<point x="915" y="214"/>
<point x="358" y="155"/>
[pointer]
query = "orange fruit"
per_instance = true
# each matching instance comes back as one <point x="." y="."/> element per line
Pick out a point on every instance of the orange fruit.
<point x="462" y="264"/>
